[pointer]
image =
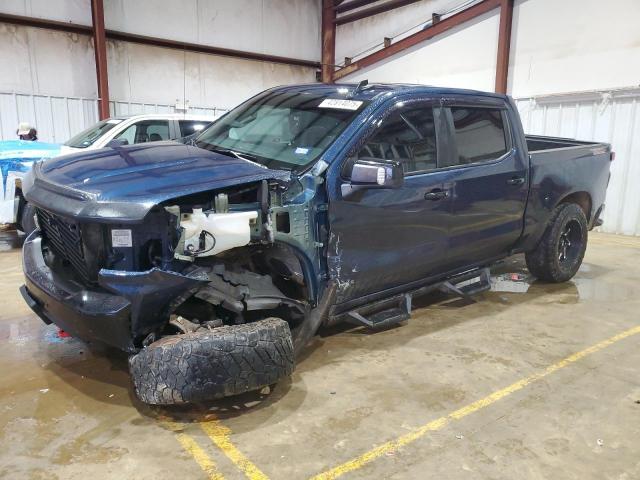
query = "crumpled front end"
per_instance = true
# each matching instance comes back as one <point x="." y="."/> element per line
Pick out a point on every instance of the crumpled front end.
<point x="122" y="309"/>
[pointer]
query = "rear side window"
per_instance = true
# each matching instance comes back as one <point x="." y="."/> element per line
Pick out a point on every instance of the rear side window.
<point x="146" y="131"/>
<point x="188" y="127"/>
<point x="479" y="134"/>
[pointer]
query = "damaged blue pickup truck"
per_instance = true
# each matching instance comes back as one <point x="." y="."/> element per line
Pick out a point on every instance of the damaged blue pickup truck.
<point x="214" y="261"/>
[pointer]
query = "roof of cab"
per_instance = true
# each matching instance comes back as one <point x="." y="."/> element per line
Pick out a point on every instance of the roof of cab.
<point x="373" y="90"/>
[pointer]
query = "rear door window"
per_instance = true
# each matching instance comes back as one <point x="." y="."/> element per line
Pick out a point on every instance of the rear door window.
<point x="480" y="134"/>
<point x="146" y="131"/>
<point x="188" y="127"/>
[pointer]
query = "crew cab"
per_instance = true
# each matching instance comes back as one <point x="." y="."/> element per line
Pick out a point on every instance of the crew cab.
<point x="213" y="263"/>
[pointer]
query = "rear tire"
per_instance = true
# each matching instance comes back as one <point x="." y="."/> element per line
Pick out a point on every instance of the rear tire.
<point x="201" y="366"/>
<point x="559" y="254"/>
<point x="27" y="222"/>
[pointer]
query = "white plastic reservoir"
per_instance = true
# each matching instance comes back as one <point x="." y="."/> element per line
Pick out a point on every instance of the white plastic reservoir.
<point x="230" y="230"/>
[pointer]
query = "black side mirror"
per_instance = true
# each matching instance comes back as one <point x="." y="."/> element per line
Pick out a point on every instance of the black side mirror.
<point x="374" y="173"/>
<point x="117" y="142"/>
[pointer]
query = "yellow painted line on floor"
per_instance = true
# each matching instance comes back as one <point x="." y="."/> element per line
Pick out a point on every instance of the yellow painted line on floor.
<point x="221" y="437"/>
<point x="441" y="422"/>
<point x="190" y="446"/>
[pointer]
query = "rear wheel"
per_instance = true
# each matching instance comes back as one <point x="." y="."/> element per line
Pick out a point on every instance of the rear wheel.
<point x="559" y="254"/>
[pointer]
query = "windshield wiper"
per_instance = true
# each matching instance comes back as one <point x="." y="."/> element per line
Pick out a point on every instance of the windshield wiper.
<point x="232" y="153"/>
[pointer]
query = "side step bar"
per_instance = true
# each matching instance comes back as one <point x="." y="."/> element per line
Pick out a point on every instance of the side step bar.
<point x="391" y="311"/>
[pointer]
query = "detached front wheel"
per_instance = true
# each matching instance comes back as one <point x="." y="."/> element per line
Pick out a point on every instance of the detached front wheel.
<point x="559" y="254"/>
<point x="207" y="365"/>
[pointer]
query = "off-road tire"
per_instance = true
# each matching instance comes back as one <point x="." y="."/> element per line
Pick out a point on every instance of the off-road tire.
<point x="544" y="261"/>
<point x="200" y="366"/>
<point x="27" y="222"/>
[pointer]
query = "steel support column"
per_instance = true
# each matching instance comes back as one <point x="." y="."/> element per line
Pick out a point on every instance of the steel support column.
<point x="504" y="44"/>
<point x="100" y="48"/>
<point x="328" y="57"/>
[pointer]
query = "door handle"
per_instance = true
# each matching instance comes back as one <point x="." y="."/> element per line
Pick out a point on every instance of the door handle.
<point x="436" y="194"/>
<point x="515" y="181"/>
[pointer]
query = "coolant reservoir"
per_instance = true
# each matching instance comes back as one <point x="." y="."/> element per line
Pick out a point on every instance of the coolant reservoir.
<point x="225" y="231"/>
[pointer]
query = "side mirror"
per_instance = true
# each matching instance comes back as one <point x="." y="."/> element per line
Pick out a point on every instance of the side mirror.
<point x="374" y="173"/>
<point x="117" y="142"/>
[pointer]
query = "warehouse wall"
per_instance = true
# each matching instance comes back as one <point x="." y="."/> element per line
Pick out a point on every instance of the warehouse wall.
<point x="464" y="57"/>
<point x="39" y="61"/>
<point x="573" y="45"/>
<point x="574" y="71"/>
<point x="473" y="64"/>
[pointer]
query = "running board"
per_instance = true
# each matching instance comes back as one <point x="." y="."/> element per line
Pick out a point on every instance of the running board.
<point x="391" y="311"/>
<point x="468" y="284"/>
<point x="382" y="314"/>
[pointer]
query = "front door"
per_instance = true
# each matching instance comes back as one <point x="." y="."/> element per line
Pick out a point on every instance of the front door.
<point x="385" y="238"/>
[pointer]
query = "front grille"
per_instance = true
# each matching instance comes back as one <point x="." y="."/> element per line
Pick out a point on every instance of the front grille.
<point x="64" y="237"/>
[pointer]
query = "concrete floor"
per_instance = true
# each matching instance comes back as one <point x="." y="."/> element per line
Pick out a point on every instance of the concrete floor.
<point x="68" y="412"/>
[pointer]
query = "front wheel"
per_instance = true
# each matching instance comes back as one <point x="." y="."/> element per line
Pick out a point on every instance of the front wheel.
<point x="206" y="365"/>
<point x="559" y="254"/>
<point x="27" y="219"/>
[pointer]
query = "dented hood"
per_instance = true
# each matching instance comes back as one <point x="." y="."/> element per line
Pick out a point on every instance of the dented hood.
<point x="124" y="183"/>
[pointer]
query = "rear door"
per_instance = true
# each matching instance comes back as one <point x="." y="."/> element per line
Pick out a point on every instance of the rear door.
<point x="487" y="175"/>
<point x="385" y="238"/>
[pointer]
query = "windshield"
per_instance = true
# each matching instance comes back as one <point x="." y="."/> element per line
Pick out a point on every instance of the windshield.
<point x="287" y="130"/>
<point x="88" y="137"/>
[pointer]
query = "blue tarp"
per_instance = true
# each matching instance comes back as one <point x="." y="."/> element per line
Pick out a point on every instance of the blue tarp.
<point x="19" y="155"/>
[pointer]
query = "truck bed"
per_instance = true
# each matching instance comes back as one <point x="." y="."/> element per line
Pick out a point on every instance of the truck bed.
<point x="559" y="168"/>
<point x="538" y="143"/>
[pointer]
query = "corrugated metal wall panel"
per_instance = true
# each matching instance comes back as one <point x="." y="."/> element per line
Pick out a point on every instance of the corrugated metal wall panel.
<point x="607" y="116"/>
<point x="137" y="108"/>
<point x="59" y="118"/>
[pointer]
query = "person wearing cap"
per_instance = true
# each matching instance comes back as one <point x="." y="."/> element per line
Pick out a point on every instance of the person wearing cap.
<point x="27" y="132"/>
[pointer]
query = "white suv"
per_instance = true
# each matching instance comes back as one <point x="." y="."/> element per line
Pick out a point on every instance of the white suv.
<point x="152" y="127"/>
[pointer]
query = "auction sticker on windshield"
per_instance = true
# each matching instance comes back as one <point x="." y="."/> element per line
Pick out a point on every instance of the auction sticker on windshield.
<point x="340" y="104"/>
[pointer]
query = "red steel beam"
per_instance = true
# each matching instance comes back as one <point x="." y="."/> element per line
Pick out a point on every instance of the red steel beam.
<point x="504" y="44"/>
<point x="352" y="5"/>
<point x="375" y="10"/>
<point x="100" y="49"/>
<point x="153" y="41"/>
<point x="419" y="37"/>
<point x="328" y="57"/>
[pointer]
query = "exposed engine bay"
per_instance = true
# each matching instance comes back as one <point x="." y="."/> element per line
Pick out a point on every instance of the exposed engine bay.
<point x="205" y="260"/>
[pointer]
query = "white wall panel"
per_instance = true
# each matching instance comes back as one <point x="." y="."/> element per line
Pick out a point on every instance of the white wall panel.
<point x="56" y="118"/>
<point x="74" y="11"/>
<point x="140" y="73"/>
<point x="289" y="28"/>
<point x="574" y="45"/>
<point x="46" y="62"/>
<point x="465" y="57"/>
<point x="607" y="116"/>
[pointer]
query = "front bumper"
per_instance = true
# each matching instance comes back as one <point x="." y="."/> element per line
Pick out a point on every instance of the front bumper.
<point x="126" y="307"/>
